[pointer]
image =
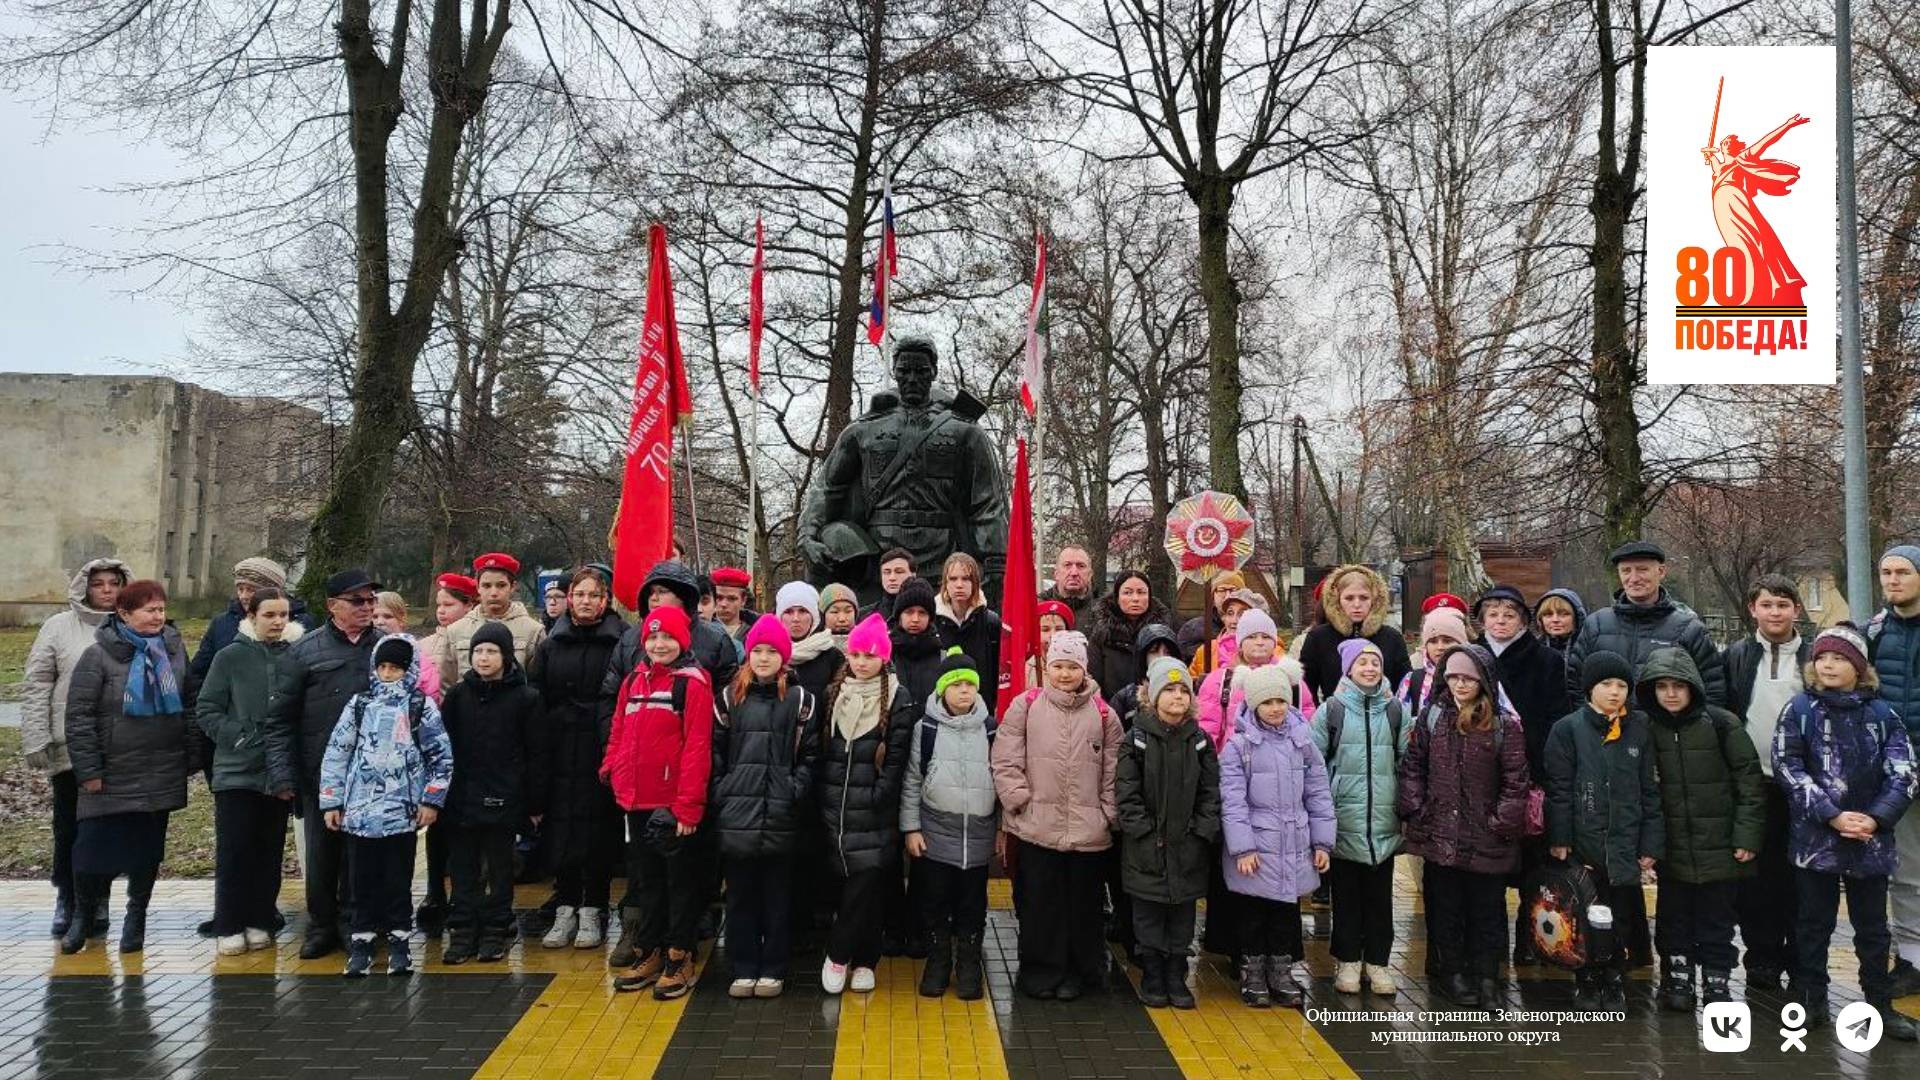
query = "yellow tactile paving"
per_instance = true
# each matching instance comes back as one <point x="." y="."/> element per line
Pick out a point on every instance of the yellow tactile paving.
<point x="580" y="1027"/>
<point x="894" y="1032"/>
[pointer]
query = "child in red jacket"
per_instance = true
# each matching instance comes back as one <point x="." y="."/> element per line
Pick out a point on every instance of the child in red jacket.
<point x="658" y="760"/>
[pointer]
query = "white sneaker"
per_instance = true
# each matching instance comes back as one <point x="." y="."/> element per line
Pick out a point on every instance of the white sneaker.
<point x="560" y="935"/>
<point x="233" y="944"/>
<point x="1380" y="980"/>
<point x="769" y="988"/>
<point x="833" y="977"/>
<point x="259" y="939"/>
<point x="740" y="988"/>
<point x="1346" y="977"/>
<point x="591" y="929"/>
<point x="862" y="980"/>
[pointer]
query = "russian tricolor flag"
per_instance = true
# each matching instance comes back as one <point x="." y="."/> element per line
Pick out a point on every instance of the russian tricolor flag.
<point x="885" y="268"/>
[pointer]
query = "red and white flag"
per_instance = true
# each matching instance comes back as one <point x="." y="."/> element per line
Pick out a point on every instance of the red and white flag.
<point x="1033" y="369"/>
<point x="885" y="268"/>
<point x="756" y="304"/>
<point x="644" y="531"/>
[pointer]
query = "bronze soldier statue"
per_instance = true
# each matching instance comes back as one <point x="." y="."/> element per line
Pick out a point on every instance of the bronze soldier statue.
<point x="915" y="472"/>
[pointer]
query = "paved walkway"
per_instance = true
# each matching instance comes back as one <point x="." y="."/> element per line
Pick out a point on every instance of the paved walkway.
<point x="180" y="1010"/>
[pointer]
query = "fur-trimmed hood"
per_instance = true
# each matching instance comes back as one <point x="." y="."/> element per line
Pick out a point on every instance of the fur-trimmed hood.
<point x="1330" y="600"/>
<point x="294" y="631"/>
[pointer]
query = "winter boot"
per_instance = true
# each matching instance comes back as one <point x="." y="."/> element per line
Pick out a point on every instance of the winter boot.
<point x="1676" y="984"/>
<point x="1899" y="1026"/>
<point x="75" y="937"/>
<point x="1587" y="991"/>
<point x="359" y="957"/>
<point x="1457" y="989"/>
<point x="1281" y="988"/>
<point x="969" y="980"/>
<point x="1173" y="979"/>
<point x="939" y="970"/>
<point x="399" y="956"/>
<point x="133" y="924"/>
<point x="62" y="913"/>
<point x="646" y="971"/>
<point x="626" y="953"/>
<point x="1153" y="979"/>
<point x="1253" y="982"/>
<point x="1713" y="986"/>
<point x="461" y="945"/>
<point x="494" y="944"/>
<point x="1613" y="990"/>
<point x="677" y="977"/>
<point x="98" y="927"/>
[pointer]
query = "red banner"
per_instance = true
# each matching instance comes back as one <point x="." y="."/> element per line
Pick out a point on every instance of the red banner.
<point x="1020" y="594"/>
<point x="644" y="531"/>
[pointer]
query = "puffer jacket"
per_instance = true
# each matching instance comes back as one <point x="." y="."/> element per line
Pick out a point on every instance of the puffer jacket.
<point x="1054" y="761"/>
<point x="1710" y="781"/>
<point x="383" y="763"/>
<point x="1463" y="795"/>
<point x="234" y="703"/>
<point x="528" y="633"/>
<point x="950" y="800"/>
<point x="1222" y="697"/>
<point x="657" y="755"/>
<point x="1167" y="794"/>
<point x="1893" y="640"/>
<point x="977" y="634"/>
<point x="1320" y="646"/>
<point x="498" y="732"/>
<point x="567" y="668"/>
<point x="817" y="658"/>
<point x="1126" y="700"/>
<point x="142" y="761"/>
<point x="917" y="659"/>
<point x="1843" y="750"/>
<point x="1635" y="631"/>
<point x="857" y="787"/>
<point x="1275" y="803"/>
<point x="224" y="629"/>
<point x="716" y="653"/>
<point x="1603" y="801"/>
<point x="1364" y="769"/>
<point x="1111" y="636"/>
<point x="318" y="676"/>
<point x="56" y="651"/>
<point x="765" y="747"/>
<point x="1559" y="644"/>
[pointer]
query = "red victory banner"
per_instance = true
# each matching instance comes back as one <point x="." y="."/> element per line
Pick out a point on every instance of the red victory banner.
<point x="660" y="400"/>
<point x="1019" y="592"/>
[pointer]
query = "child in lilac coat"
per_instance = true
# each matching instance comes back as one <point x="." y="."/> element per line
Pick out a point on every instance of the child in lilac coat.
<point x="1277" y="813"/>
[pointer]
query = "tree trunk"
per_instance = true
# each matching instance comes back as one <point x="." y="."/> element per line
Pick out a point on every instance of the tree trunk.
<point x="1623" y="483"/>
<point x="1214" y="199"/>
<point x="846" y="307"/>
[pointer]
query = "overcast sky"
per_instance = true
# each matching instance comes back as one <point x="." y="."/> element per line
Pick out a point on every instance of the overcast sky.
<point x="54" y="191"/>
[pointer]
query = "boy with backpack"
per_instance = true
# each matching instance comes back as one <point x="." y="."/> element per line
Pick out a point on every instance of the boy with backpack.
<point x="950" y="816"/>
<point x="1710" y="790"/>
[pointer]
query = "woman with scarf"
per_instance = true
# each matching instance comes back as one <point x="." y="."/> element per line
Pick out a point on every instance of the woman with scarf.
<point x="129" y="733"/>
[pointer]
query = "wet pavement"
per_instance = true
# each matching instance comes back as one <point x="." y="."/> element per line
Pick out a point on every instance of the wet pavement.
<point x="180" y="1010"/>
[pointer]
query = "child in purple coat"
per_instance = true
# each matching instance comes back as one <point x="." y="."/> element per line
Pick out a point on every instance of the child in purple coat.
<point x="1276" y="810"/>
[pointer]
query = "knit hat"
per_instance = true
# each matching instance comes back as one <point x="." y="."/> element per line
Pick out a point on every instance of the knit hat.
<point x="1845" y="639"/>
<point x="835" y="593"/>
<point x="914" y="593"/>
<point x="1501" y="592"/>
<point x="393" y="649"/>
<point x="1255" y="622"/>
<point x="1232" y="578"/>
<point x="1909" y="552"/>
<point x="1445" y="620"/>
<point x="1600" y="666"/>
<point x="957" y="667"/>
<point x="1165" y="671"/>
<point x="493" y="633"/>
<point x="1443" y="600"/>
<point x="261" y="573"/>
<point x="769" y="630"/>
<point x="1068" y="645"/>
<point x="1461" y="662"/>
<point x="1351" y="649"/>
<point x="797" y="594"/>
<point x="871" y="637"/>
<point x="1055" y="607"/>
<point x="671" y="621"/>
<point x="1267" y="683"/>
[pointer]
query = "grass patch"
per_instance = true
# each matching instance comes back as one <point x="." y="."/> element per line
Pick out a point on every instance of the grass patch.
<point x="17" y="641"/>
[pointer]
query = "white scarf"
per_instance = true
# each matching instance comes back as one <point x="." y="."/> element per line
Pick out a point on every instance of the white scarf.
<point x="858" y="709"/>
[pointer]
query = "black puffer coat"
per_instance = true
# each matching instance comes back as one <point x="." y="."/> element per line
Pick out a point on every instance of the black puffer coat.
<point x="764" y="748"/>
<point x="1167" y="789"/>
<point x="917" y="659"/>
<point x="568" y="667"/>
<point x="1110" y="645"/>
<point x="859" y="797"/>
<point x="1710" y="781"/>
<point x="1602" y="799"/>
<point x="1635" y="631"/>
<point x="500" y="774"/>
<point x="319" y="674"/>
<point x="142" y="761"/>
<point x="977" y="634"/>
<point x="1535" y="679"/>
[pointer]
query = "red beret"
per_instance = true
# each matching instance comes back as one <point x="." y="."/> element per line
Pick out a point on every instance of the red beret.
<point x="732" y="577"/>
<point x="671" y="621"/>
<point x="1444" y="599"/>
<point x="458" y="584"/>
<point x="1055" y="607"/>
<point x="497" y="560"/>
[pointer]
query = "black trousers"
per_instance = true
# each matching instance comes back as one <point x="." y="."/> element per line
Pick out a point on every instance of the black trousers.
<point x="66" y="825"/>
<point x="480" y="859"/>
<point x="760" y="916"/>
<point x="670" y="891"/>
<point x="381" y="872"/>
<point x="1117" y="898"/>
<point x="1268" y="927"/>
<point x="98" y="888"/>
<point x="1768" y="904"/>
<point x="1872" y="937"/>
<point x="438" y="869"/>
<point x="1222" y="935"/>
<point x="583" y="873"/>
<point x="1060" y="924"/>
<point x="952" y="900"/>
<point x="854" y="939"/>
<point x="1163" y="928"/>
<point x="1362" y="911"/>
<point x="326" y="867"/>
<point x="1466" y="920"/>
<point x="249" y="838"/>
<point x="1696" y="921"/>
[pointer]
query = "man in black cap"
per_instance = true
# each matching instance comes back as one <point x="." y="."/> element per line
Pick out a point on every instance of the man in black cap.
<point x="1644" y="617"/>
<point x="318" y="676"/>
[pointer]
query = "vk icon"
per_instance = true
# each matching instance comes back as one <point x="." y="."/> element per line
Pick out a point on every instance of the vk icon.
<point x="1726" y="1027"/>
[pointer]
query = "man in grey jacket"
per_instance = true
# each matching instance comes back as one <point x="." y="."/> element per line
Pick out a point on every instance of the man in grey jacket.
<point x="1645" y="617"/>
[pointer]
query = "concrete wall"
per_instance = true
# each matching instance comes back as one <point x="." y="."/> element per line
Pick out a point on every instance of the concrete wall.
<point x="177" y="481"/>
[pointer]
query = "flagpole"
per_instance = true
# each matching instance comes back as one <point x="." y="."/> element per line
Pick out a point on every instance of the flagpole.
<point x="693" y="502"/>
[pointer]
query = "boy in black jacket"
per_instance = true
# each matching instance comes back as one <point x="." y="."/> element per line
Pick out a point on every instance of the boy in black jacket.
<point x="493" y="718"/>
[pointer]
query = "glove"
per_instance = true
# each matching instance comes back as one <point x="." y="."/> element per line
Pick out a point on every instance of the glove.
<point x="39" y="760"/>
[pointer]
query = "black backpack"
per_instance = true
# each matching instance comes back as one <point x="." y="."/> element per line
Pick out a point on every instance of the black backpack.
<point x="1336" y="712"/>
<point x="930" y="731"/>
